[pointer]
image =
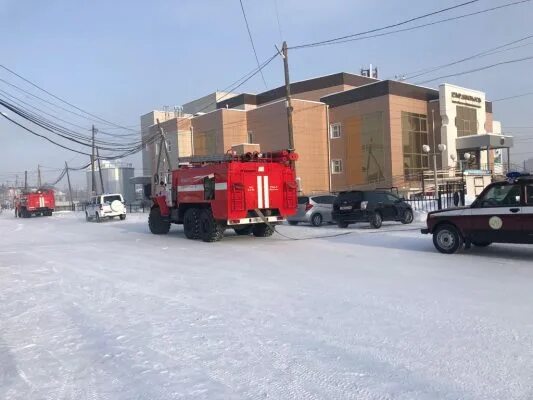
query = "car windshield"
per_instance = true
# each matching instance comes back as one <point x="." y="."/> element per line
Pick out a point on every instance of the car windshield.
<point x="110" y="199"/>
<point x="501" y="195"/>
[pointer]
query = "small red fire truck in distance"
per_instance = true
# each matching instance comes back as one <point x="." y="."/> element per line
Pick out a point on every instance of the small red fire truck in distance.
<point x="35" y="202"/>
<point x="249" y="193"/>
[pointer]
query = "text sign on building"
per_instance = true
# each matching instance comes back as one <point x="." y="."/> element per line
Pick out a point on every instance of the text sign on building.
<point x="466" y="99"/>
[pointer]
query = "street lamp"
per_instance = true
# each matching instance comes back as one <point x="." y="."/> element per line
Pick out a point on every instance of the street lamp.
<point x="426" y="149"/>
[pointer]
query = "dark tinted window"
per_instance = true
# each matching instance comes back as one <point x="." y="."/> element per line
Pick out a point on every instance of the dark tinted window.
<point x="529" y="194"/>
<point x="324" y="199"/>
<point x="501" y="196"/>
<point x="376" y="197"/>
<point x="391" y="198"/>
<point x="303" y="200"/>
<point x="350" y="196"/>
<point x="110" y="199"/>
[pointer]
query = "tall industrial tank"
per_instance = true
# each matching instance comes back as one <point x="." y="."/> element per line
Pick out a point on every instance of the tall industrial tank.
<point x="116" y="178"/>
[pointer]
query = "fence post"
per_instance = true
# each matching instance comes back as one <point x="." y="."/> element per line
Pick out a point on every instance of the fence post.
<point x="439" y="201"/>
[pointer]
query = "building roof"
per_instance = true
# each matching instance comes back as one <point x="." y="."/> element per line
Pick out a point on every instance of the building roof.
<point x="322" y="82"/>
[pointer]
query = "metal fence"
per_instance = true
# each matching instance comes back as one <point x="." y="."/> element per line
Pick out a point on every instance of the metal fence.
<point x="449" y="195"/>
<point x="131" y="208"/>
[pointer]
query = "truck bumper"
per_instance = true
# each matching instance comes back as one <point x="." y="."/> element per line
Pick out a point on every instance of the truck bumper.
<point x="253" y="220"/>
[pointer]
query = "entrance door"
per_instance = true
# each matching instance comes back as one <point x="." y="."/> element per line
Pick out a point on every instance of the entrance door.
<point x="497" y="214"/>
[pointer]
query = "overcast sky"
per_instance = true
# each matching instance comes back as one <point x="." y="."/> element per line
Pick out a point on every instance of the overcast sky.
<point x="120" y="59"/>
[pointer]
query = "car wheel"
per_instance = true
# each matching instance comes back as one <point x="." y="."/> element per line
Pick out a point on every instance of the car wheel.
<point x="87" y="216"/>
<point x="244" y="231"/>
<point x="480" y="244"/>
<point x="210" y="229"/>
<point x="447" y="239"/>
<point x="376" y="220"/>
<point x="342" y="224"/>
<point x="293" y="223"/>
<point x="407" y="217"/>
<point x="316" y="220"/>
<point x="157" y="223"/>
<point x="122" y="217"/>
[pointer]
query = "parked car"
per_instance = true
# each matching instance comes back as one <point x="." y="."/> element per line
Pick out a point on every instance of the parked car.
<point x="105" y="206"/>
<point x="502" y="213"/>
<point x="315" y="210"/>
<point x="370" y="206"/>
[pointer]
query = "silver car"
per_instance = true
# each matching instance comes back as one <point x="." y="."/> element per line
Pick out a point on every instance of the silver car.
<point x="315" y="210"/>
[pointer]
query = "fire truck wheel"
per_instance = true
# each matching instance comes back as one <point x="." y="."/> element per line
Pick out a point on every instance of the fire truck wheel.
<point x="244" y="231"/>
<point x="262" y="230"/>
<point x="210" y="229"/>
<point x="191" y="224"/>
<point x="157" y="224"/>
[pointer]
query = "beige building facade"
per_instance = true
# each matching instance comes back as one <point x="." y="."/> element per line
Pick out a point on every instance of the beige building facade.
<point x="350" y="131"/>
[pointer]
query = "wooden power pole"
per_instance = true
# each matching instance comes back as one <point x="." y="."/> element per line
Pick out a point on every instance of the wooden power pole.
<point x="69" y="187"/>
<point x="39" y="176"/>
<point x="100" y="171"/>
<point x="25" y="180"/>
<point x="92" y="164"/>
<point x="285" y="55"/>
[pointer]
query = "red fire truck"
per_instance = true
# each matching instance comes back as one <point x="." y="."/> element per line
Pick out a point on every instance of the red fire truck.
<point x="249" y="193"/>
<point x="35" y="202"/>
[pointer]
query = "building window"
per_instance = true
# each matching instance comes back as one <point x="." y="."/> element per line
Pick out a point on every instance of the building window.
<point x="372" y="147"/>
<point x="250" y="137"/>
<point x="336" y="166"/>
<point x="466" y="121"/>
<point x="335" y="130"/>
<point x="414" y="136"/>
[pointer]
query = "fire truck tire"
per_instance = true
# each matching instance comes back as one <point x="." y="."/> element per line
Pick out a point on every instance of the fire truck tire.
<point x="157" y="224"/>
<point x="191" y="224"/>
<point x="210" y="229"/>
<point x="244" y="231"/>
<point x="262" y="230"/>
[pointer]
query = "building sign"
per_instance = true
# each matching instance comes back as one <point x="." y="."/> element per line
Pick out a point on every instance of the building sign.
<point x="466" y="99"/>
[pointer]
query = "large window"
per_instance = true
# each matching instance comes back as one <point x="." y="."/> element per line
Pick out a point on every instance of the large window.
<point x="466" y="121"/>
<point x="372" y="147"/>
<point x="414" y="136"/>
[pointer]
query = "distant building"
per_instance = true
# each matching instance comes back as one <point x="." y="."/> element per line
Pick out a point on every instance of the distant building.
<point x="116" y="177"/>
<point x="528" y="165"/>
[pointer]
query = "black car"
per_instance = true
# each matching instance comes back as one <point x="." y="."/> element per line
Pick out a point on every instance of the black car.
<point x="370" y="206"/>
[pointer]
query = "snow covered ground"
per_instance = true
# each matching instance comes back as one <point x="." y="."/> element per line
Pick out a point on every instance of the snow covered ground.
<point x="109" y="311"/>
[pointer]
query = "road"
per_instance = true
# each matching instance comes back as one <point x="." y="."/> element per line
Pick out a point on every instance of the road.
<point x="109" y="311"/>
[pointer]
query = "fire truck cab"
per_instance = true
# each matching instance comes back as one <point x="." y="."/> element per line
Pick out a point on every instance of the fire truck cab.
<point x="249" y="193"/>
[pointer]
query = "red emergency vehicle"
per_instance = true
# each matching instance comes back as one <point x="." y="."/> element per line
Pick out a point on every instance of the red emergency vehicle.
<point x="249" y="193"/>
<point x="35" y="202"/>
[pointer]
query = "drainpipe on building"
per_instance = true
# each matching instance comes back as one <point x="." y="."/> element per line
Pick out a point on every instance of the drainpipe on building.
<point x="329" y="147"/>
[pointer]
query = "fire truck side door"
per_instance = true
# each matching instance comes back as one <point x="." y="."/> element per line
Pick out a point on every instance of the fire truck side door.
<point x="497" y="213"/>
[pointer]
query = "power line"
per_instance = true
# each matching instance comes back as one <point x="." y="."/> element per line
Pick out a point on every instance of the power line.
<point x="355" y="38"/>
<point x="62" y="100"/>
<point x="252" y="42"/>
<point x="514" y="97"/>
<point x="477" y="69"/>
<point x="330" y="41"/>
<point x="483" y="53"/>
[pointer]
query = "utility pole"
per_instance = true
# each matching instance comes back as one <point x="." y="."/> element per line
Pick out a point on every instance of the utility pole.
<point x="92" y="163"/>
<point x="434" y="154"/>
<point x="39" y="176"/>
<point x="285" y="55"/>
<point x="25" y="180"/>
<point x="100" y="172"/>
<point x="69" y="187"/>
<point x="16" y="181"/>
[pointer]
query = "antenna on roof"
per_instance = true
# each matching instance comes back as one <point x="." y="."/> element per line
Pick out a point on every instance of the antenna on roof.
<point x="370" y="72"/>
